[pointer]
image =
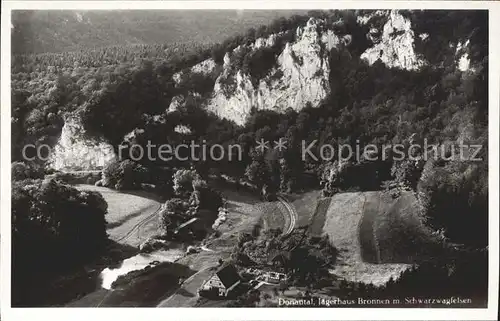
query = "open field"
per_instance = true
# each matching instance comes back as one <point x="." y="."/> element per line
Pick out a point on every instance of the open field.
<point x="342" y="226"/>
<point x="318" y="219"/>
<point x="372" y="231"/>
<point x="244" y="213"/>
<point x="131" y="215"/>
<point x="378" y="237"/>
<point x="305" y="205"/>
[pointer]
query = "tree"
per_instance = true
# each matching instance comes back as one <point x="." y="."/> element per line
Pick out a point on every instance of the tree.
<point x="22" y="171"/>
<point x="183" y="180"/>
<point x="55" y="228"/>
<point x="172" y="213"/>
<point x="207" y="197"/>
<point x="258" y="171"/>
<point x="125" y="175"/>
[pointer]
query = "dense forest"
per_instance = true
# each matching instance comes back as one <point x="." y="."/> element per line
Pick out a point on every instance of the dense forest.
<point x="64" y="31"/>
<point x="118" y="89"/>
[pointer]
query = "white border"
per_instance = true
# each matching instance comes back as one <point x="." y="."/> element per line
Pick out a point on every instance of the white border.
<point x="8" y="313"/>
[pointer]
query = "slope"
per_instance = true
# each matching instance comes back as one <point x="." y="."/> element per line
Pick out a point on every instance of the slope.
<point x="378" y="237"/>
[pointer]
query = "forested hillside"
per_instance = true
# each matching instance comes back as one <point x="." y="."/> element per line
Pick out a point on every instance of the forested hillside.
<point x="384" y="78"/>
<point x="63" y="31"/>
<point x="115" y="91"/>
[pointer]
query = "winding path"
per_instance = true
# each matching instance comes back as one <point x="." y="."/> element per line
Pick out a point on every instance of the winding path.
<point x="292" y="212"/>
<point x="128" y="212"/>
<point x="137" y="226"/>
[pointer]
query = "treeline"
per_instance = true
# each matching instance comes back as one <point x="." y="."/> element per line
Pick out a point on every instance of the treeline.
<point x="463" y="276"/>
<point x="264" y="31"/>
<point x="113" y="55"/>
<point x="55" y="228"/>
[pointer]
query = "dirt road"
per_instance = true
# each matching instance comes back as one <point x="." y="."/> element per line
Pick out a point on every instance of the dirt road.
<point x="292" y="213"/>
<point x="131" y="215"/>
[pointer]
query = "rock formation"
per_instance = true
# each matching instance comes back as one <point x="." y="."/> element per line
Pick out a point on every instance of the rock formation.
<point x="299" y="78"/>
<point x="75" y="151"/>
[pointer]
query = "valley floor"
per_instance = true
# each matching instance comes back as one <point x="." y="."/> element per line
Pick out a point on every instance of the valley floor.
<point x="356" y="223"/>
<point x="131" y="221"/>
<point x="131" y="215"/>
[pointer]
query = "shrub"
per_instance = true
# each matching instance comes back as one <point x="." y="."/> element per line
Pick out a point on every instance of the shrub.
<point x="206" y="197"/>
<point x="228" y="85"/>
<point x="197" y="82"/>
<point x="183" y="181"/>
<point x="172" y="214"/>
<point x="77" y="178"/>
<point x="21" y="171"/>
<point x="125" y="175"/>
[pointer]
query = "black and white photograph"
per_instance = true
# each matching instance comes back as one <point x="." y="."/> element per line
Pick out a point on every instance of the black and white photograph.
<point x="250" y="158"/>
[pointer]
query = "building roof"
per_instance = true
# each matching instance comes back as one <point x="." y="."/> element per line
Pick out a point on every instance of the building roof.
<point x="228" y="275"/>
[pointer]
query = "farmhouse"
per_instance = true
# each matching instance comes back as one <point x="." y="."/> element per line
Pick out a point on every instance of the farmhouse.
<point x="224" y="280"/>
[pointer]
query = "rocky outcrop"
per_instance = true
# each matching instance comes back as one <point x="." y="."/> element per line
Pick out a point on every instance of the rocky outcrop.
<point x="395" y="48"/>
<point x="179" y="102"/>
<point x="75" y="151"/>
<point x="176" y="103"/>
<point x="301" y="74"/>
<point x="463" y="60"/>
<point x="182" y="129"/>
<point x="205" y="67"/>
<point x="299" y="78"/>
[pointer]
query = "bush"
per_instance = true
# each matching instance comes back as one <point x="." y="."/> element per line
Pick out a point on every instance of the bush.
<point x="183" y="181"/>
<point x="21" y="171"/>
<point x="455" y="198"/>
<point x="241" y="259"/>
<point x="173" y="213"/>
<point x="196" y="82"/>
<point x="125" y="175"/>
<point x="206" y="197"/>
<point x="77" y="178"/>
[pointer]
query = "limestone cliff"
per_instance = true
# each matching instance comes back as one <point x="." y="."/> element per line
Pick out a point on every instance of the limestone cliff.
<point x="300" y="76"/>
<point x="395" y="46"/>
<point x="75" y="151"/>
